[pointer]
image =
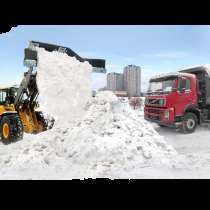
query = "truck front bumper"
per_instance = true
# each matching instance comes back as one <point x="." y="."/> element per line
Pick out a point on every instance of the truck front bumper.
<point x="167" y="124"/>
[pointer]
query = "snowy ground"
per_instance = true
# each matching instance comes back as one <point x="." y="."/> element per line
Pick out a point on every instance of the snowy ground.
<point x="196" y="147"/>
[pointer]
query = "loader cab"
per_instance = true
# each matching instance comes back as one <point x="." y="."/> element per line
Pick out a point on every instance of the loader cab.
<point x="7" y="95"/>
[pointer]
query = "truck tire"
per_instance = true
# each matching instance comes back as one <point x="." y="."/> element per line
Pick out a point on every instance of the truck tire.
<point x="190" y="122"/>
<point x="11" y="129"/>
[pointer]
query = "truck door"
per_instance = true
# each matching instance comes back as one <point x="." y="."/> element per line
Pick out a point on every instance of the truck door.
<point x="184" y="95"/>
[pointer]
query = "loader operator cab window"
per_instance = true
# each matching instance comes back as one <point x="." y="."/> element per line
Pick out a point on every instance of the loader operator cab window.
<point x="7" y="96"/>
<point x="3" y="95"/>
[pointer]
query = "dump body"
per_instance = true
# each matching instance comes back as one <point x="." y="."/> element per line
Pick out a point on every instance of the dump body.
<point x="202" y="74"/>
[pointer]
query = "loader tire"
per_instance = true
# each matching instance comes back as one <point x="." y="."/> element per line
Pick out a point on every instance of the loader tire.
<point x="190" y="122"/>
<point x="11" y="129"/>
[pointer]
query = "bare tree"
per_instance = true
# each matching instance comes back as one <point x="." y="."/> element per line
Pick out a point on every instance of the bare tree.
<point x="135" y="102"/>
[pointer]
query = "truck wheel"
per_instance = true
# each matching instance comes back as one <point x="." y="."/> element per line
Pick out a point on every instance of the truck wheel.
<point x="190" y="123"/>
<point x="11" y="129"/>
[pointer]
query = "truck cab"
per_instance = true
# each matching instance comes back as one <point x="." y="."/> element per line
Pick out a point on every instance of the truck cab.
<point x="179" y="99"/>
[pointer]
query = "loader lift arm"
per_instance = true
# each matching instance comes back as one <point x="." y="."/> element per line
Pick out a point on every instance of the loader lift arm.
<point x="28" y="88"/>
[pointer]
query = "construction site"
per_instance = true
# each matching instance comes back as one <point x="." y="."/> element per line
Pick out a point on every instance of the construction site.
<point x="52" y="127"/>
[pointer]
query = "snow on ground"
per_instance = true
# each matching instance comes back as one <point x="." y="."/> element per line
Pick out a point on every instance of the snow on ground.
<point x="196" y="148"/>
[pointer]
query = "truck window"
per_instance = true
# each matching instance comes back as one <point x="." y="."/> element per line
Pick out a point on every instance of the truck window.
<point x="187" y="84"/>
<point x="184" y="83"/>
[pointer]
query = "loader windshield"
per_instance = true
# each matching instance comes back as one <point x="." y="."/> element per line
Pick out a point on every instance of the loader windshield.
<point x="7" y="96"/>
<point x="3" y="95"/>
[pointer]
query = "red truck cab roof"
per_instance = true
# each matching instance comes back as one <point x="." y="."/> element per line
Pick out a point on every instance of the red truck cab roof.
<point x="170" y="75"/>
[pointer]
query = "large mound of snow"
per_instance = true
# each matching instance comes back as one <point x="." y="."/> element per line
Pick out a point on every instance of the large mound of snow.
<point x="110" y="139"/>
<point x="106" y="138"/>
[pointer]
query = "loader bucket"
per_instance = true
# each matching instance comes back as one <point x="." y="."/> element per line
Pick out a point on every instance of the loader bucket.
<point x="31" y="55"/>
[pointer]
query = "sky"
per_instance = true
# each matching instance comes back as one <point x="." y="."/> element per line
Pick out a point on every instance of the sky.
<point x="156" y="49"/>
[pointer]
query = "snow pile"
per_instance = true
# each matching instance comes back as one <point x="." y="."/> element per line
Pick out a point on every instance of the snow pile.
<point x="111" y="135"/>
<point x="110" y="139"/>
<point x="106" y="138"/>
<point x="64" y="85"/>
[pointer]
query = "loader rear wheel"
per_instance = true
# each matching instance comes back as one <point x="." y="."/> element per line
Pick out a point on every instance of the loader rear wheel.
<point x="11" y="129"/>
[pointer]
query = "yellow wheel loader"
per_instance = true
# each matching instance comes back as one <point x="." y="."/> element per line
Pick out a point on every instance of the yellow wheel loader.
<point x="19" y="105"/>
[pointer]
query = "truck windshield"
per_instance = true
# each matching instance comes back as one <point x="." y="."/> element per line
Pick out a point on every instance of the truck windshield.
<point x="162" y="86"/>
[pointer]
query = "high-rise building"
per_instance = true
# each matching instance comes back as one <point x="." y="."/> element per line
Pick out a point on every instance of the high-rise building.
<point x="115" y="81"/>
<point x="132" y="80"/>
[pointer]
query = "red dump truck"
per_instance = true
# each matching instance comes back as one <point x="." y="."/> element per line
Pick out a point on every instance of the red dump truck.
<point x="179" y="100"/>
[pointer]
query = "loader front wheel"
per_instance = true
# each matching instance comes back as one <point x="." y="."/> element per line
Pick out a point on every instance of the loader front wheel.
<point x="11" y="129"/>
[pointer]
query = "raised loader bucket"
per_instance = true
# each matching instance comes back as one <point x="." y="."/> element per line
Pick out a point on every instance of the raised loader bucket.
<point x="31" y="55"/>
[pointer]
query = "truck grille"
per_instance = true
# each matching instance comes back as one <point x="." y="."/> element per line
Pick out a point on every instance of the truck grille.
<point x="154" y="101"/>
<point x="154" y="113"/>
<point x="155" y="118"/>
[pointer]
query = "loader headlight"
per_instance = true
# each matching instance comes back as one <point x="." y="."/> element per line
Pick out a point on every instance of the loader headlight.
<point x="167" y="114"/>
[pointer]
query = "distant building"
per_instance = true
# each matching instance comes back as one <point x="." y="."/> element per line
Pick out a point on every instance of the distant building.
<point x="115" y="81"/>
<point x="132" y="80"/>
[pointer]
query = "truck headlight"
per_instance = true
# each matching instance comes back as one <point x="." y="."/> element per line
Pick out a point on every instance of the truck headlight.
<point x="162" y="102"/>
<point x="167" y="114"/>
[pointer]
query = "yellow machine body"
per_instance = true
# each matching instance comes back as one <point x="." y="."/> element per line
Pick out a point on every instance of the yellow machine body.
<point x="28" y="117"/>
<point x="7" y="109"/>
<point x="30" y="122"/>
